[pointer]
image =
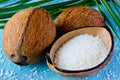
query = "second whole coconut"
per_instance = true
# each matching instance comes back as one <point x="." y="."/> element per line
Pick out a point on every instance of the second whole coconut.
<point x="27" y="34"/>
<point x="77" y="17"/>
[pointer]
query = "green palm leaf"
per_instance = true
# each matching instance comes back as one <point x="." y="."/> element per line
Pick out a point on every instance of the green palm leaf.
<point x="1" y="1"/>
<point x="108" y="21"/>
<point x="8" y="12"/>
<point x="23" y="6"/>
<point x="111" y="12"/>
<point x="15" y="3"/>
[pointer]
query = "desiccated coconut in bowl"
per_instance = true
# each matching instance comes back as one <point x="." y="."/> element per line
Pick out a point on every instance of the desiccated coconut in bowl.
<point x="81" y="52"/>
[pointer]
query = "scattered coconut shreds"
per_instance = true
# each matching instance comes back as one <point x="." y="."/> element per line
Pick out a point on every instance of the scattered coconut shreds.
<point x="82" y="52"/>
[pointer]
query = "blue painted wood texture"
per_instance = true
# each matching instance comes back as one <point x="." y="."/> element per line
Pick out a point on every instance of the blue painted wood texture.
<point x="40" y="70"/>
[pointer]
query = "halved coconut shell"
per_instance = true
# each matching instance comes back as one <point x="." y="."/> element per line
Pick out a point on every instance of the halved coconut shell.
<point x="103" y="32"/>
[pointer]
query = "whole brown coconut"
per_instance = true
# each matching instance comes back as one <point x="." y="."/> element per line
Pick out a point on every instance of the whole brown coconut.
<point x="77" y="17"/>
<point x="27" y="34"/>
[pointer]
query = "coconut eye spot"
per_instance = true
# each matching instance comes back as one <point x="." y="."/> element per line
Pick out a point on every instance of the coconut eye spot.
<point x="12" y="56"/>
<point x="24" y="58"/>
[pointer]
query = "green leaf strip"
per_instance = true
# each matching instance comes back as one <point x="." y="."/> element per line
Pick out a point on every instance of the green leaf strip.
<point x="111" y="26"/>
<point x="111" y="12"/>
<point x="24" y="6"/>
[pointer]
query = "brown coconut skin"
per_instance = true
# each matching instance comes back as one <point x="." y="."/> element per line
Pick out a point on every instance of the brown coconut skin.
<point x="28" y="33"/>
<point x="77" y="17"/>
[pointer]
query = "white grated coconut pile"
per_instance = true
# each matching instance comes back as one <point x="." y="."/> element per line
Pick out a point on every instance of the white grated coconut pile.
<point x="81" y="52"/>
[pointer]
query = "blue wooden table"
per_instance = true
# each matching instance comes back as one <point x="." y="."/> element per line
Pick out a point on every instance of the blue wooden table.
<point x="40" y="70"/>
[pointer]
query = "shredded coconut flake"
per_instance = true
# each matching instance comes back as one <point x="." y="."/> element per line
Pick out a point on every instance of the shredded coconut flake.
<point x="81" y="52"/>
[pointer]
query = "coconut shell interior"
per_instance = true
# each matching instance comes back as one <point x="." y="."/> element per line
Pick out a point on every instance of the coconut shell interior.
<point x="103" y="32"/>
<point x="95" y="31"/>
